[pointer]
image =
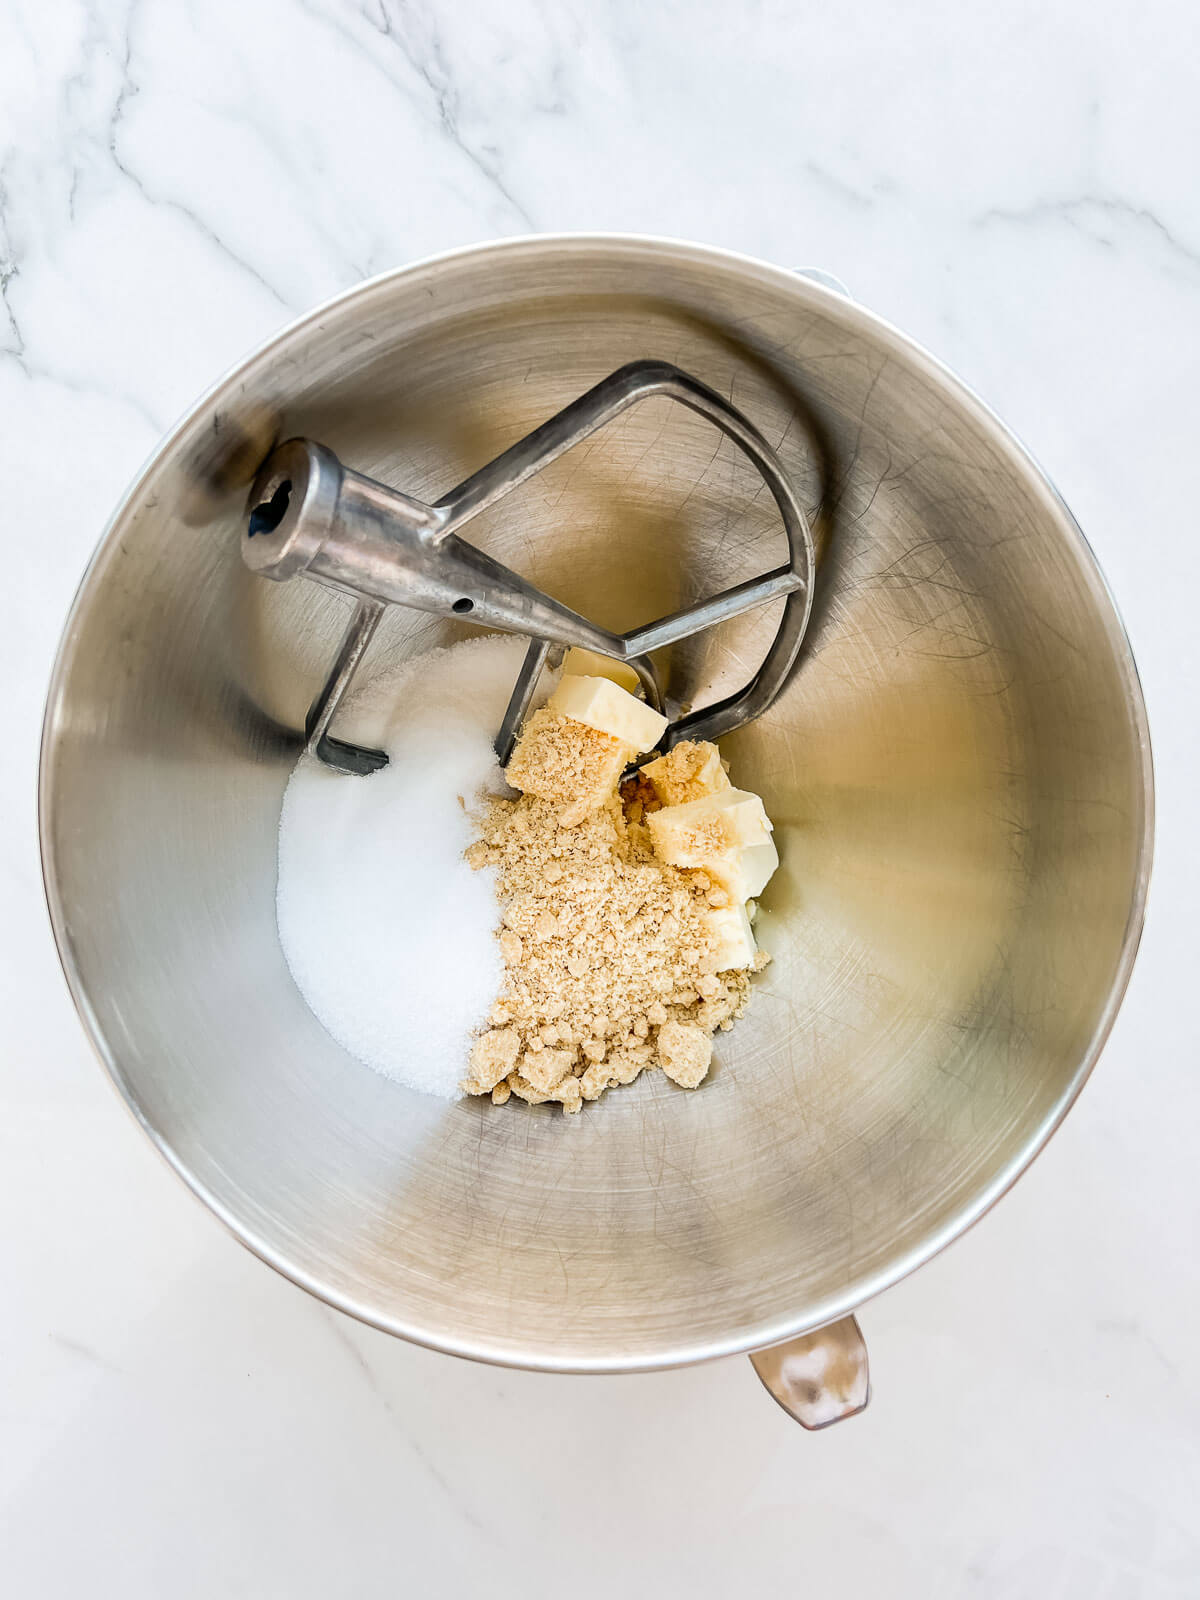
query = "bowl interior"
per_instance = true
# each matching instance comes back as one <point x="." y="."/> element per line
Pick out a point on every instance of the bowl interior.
<point x="958" y="776"/>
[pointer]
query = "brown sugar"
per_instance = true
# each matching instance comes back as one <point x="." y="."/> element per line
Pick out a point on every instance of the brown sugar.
<point x="493" y="1057"/>
<point x="568" y="763"/>
<point x="611" y="953"/>
<point x="608" y="952"/>
<point x="685" y="1050"/>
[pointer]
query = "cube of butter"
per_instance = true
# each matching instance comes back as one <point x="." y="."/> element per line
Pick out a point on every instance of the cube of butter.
<point x="732" y="936"/>
<point x="605" y="706"/>
<point x="580" y="663"/>
<point x="687" y="772"/>
<point x="726" y="834"/>
<point x="690" y="835"/>
<point x="743" y="872"/>
<point x="759" y="864"/>
<point x="698" y="832"/>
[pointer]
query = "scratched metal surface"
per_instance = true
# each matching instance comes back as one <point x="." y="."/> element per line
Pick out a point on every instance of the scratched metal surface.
<point x="958" y="773"/>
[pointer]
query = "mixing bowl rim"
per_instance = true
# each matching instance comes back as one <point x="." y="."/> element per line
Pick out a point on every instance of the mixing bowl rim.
<point x="783" y="1326"/>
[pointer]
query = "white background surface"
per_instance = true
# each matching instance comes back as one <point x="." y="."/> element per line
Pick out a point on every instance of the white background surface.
<point x="1015" y="185"/>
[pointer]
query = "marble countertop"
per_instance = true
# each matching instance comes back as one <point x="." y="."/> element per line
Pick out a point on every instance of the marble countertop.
<point x="1014" y="185"/>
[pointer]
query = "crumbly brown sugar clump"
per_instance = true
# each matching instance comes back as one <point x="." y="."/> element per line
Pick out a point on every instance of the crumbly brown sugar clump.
<point x="608" y="957"/>
<point x="687" y="772"/>
<point x="563" y="761"/>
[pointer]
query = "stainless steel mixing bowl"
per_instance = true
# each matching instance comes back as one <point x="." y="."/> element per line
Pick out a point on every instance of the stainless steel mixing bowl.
<point x="959" y="773"/>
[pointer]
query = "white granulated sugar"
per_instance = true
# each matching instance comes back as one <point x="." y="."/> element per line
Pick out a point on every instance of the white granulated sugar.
<point x="389" y="935"/>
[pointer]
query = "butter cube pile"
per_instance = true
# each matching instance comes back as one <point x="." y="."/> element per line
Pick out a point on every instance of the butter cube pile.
<point x="718" y="830"/>
<point x="573" y="751"/>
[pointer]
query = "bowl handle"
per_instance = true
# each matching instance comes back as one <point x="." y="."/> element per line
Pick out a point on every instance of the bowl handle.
<point x="827" y="280"/>
<point x="819" y="1378"/>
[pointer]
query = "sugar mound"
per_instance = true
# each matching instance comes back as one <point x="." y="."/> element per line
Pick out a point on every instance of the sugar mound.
<point x="389" y="935"/>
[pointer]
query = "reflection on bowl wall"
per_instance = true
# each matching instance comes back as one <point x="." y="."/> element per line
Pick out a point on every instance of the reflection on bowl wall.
<point x="958" y="772"/>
